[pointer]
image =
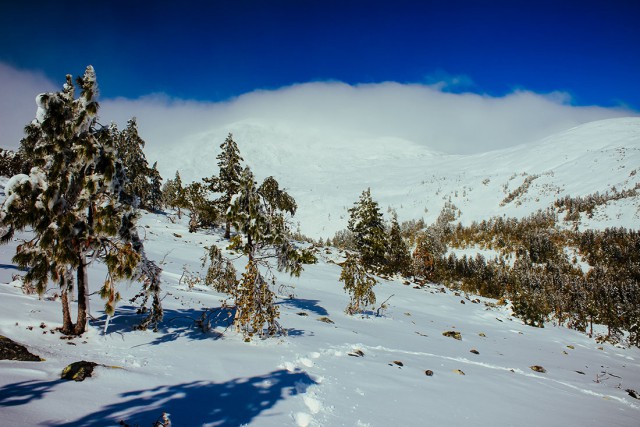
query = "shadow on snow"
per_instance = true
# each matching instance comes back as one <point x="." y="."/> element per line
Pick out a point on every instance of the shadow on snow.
<point x="187" y="323"/>
<point x="175" y="324"/>
<point x="311" y="305"/>
<point x="12" y="267"/>
<point x="24" y="392"/>
<point x="232" y="403"/>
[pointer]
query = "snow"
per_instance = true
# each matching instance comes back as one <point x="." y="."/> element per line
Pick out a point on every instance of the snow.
<point x="358" y="370"/>
<point x="327" y="171"/>
<point x="312" y="376"/>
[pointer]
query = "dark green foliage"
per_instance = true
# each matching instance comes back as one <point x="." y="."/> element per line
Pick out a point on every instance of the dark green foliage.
<point x="202" y="211"/>
<point x="398" y="259"/>
<point x="358" y="284"/>
<point x="574" y="206"/>
<point x="174" y="194"/>
<point x="221" y="274"/>
<point x="276" y="199"/>
<point x="12" y="163"/>
<point x="263" y="235"/>
<point x="74" y="201"/>
<point x="544" y="283"/>
<point x="136" y="169"/>
<point x="155" y="189"/>
<point x="369" y="232"/>
<point x="227" y="183"/>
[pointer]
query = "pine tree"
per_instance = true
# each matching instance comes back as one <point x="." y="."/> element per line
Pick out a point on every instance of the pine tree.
<point x="155" y="193"/>
<point x="358" y="284"/>
<point x="398" y="259"/>
<point x="74" y="202"/>
<point x="129" y="145"/>
<point x="228" y="180"/>
<point x="174" y="195"/>
<point x="202" y="211"/>
<point x="264" y="230"/>
<point x="429" y="249"/>
<point x="367" y="225"/>
<point x="12" y="163"/>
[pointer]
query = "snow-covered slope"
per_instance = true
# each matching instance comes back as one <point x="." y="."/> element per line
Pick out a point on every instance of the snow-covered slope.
<point x="326" y="172"/>
<point x="354" y="371"/>
<point x="315" y="376"/>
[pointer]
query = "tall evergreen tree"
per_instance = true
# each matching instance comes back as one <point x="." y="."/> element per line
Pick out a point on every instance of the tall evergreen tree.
<point x="174" y="194"/>
<point x="265" y="235"/>
<point x="74" y="202"/>
<point x="129" y="145"/>
<point x="228" y="181"/>
<point x="398" y="259"/>
<point x="367" y="225"/>
<point x="155" y="194"/>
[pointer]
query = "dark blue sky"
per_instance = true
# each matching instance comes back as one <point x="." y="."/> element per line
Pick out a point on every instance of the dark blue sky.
<point x="213" y="50"/>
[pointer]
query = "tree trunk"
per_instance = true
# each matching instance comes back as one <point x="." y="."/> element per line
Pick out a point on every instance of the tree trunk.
<point x="83" y="297"/>
<point x="227" y="230"/>
<point x="67" y="324"/>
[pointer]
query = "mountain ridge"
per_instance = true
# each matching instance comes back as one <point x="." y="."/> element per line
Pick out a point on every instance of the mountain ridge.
<point x="326" y="173"/>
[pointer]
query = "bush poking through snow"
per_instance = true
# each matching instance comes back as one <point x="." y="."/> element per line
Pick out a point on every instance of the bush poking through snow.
<point x="78" y="371"/>
<point x="453" y="334"/>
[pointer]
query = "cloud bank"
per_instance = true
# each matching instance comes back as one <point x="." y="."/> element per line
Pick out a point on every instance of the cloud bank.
<point x="18" y="91"/>
<point x="425" y="114"/>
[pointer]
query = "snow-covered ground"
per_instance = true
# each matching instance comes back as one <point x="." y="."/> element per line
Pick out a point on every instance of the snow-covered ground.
<point x="315" y="375"/>
<point x="326" y="171"/>
<point x="355" y="371"/>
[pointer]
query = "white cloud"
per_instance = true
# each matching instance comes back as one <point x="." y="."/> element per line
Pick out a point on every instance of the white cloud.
<point x="424" y="114"/>
<point x="449" y="122"/>
<point x="18" y="89"/>
<point x="442" y="80"/>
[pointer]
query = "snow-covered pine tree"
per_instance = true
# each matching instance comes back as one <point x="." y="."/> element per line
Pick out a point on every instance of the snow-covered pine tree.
<point x="264" y="232"/>
<point x="397" y="256"/>
<point x="174" y="195"/>
<point x="11" y="163"/>
<point x="129" y="145"/>
<point x="228" y="181"/>
<point x="276" y="198"/>
<point x="202" y="211"/>
<point x="358" y="284"/>
<point x="155" y="193"/>
<point x="368" y="228"/>
<point x="74" y="203"/>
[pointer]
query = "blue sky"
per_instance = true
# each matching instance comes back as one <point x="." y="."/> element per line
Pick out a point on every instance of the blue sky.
<point x="215" y="50"/>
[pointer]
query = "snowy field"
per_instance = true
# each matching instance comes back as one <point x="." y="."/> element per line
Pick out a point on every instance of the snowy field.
<point x="332" y="369"/>
<point x="355" y="371"/>
<point x="326" y="172"/>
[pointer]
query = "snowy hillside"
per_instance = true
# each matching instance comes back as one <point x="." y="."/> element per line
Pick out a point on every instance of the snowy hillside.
<point x="326" y="171"/>
<point x="395" y="366"/>
<point x="344" y="371"/>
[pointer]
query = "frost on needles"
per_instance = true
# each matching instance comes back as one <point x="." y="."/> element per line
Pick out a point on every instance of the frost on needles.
<point x="76" y="203"/>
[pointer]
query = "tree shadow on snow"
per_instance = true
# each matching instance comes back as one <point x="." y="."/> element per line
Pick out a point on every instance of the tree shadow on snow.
<point x="24" y="392"/>
<point x="11" y="267"/>
<point x="232" y="403"/>
<point x="311" y="305"/>
<point x="176" y="323"/>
